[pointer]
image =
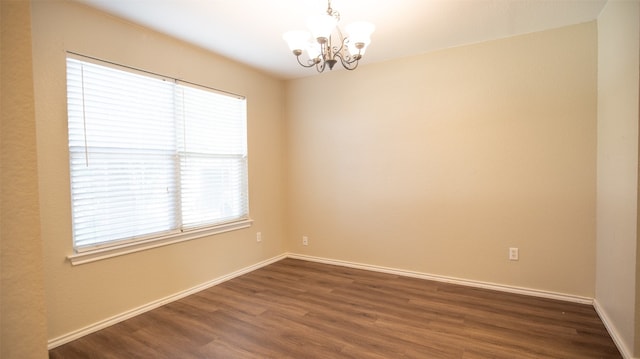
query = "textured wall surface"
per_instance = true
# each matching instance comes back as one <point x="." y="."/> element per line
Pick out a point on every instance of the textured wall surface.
<point x="617" y="233"/>
<point x="22" y="309"/>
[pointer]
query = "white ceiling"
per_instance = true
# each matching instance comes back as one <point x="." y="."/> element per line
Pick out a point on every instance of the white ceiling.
<point x="250" y="31"/>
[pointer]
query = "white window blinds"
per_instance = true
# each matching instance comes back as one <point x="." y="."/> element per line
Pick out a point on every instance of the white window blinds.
<point x="151" y="156"/>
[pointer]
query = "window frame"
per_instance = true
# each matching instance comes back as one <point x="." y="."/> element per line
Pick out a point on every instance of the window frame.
<point x="99" y="251"/>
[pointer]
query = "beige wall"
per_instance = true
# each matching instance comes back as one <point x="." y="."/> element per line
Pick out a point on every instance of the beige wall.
<point x="83" y="295"/>
<point x="617" y="220"/>
<point x="23" y="329"/>
<point x="441" y="162"/>
<point x="435" y="163"/>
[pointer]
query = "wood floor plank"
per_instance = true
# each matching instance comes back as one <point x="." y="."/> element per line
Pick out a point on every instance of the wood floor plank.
<point x="299" y="309"/>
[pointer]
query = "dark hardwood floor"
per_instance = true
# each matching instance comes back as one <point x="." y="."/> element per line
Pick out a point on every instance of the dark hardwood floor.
<point x="299" y="309"/>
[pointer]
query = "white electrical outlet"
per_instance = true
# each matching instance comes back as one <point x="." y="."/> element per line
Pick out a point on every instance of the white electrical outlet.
<point x="513" y="254"/>
<point x="259" y="237"/>
<point x="305" y="240"/>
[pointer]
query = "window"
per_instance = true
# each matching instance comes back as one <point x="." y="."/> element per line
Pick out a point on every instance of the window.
<point x="151" y="157"/>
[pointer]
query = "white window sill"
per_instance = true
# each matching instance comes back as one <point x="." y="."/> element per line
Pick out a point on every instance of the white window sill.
<point x="96" y="254"/>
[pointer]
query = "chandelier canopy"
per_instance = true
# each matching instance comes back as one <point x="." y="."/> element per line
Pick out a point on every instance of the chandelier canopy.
<point x="329" y="44"/>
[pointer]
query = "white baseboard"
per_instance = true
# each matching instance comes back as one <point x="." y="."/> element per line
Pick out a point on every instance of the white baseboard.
<point x="56" y="342"/>
<point x="452" y="280"/>
<point x="626" y="352"/>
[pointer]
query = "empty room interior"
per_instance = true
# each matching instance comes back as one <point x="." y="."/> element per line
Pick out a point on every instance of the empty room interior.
<point x="504" y="165"/>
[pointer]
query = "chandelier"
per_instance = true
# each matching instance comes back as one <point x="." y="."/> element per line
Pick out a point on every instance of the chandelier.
<point x="326" y="49"/>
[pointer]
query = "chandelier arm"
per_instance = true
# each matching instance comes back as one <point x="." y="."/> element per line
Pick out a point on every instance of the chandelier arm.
<point x="310" y="64"/>
<point x="351" y="68"/>
<point x="350" y="58"/>
<point x="349" y="61"/>
<point x="320" y="60"/>
<point x="348" y="64"/>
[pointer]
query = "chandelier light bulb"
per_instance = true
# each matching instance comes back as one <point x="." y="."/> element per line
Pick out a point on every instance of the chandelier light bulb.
<point x="322" y="26"/>
<point x="360" y="32"/>
<point x="313" y="50"/>
<point x="297" y="40"/>
<point x="356" y="50"/>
